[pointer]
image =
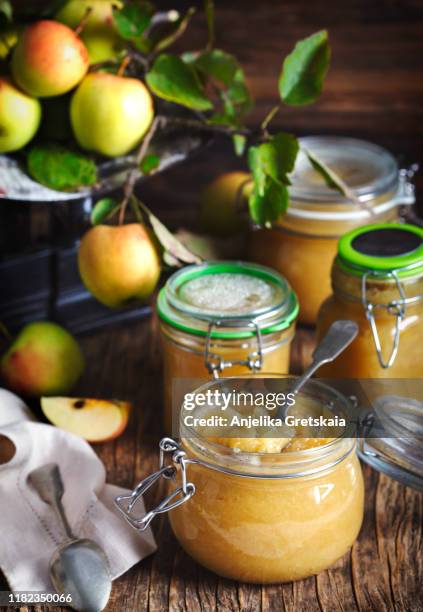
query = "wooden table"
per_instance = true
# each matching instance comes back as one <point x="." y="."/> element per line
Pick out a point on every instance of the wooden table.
<point x="384" y="570"/>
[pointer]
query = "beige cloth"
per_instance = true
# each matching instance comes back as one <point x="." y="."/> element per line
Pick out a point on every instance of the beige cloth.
<point x="29" y="529"/>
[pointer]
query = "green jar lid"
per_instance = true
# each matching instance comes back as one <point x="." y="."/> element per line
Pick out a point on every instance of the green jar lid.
<point x="233" y="297"/>
<point x="382" y="249"/>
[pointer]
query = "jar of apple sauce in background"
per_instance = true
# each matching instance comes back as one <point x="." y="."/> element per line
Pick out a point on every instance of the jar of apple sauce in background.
<point x="303" y="243"/>
<point x="377" y="281"/>
<point x="224" y="318"/>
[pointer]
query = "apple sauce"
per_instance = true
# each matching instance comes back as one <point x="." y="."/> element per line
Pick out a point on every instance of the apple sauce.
<point x="224" y="319"/>
<point x="279" y="510"/>
<point x="303" y="243"/>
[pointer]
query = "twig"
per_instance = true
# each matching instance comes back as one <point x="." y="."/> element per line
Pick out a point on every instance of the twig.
<point x="209" y="127"/>
<point x="81" y="25"/>
<point x="132" y="176"/>
<point x="123" y="66"/>
<point x="268" y="118"/>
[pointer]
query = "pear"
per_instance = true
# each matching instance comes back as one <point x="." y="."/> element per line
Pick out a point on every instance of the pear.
<point x="44" y="359"/>
<point x="94" y="420"/>
<point x="49" y="59"/>
<point x="20" y="117"/>
<point x="99" y="34"/>
<point x="110" y="114"/>
<point x="119" y="264"/>
<point x="220" y="212"/>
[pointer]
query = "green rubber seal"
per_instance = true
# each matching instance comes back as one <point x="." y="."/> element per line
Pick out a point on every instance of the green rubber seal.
<point x="382" y="248"/>
<point x="190" y="319"/>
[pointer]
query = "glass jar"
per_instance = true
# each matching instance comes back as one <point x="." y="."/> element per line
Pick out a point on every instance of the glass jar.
<point x="377" y="281"/>
<point x="261" y="517"/>
<point x="303" y="243"/>
<point x="224" y="318"/>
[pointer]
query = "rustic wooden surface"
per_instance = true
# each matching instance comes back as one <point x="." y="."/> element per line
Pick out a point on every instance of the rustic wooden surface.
<point x="384" y="570"/>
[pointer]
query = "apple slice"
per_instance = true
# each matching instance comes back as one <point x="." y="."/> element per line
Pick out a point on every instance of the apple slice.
<point x="95" y="420"/>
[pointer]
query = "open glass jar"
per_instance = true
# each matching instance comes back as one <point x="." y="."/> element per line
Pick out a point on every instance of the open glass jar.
<point x="260" y="517"/>
<point x="303" y="243"/>
<point x="224" y="318"/>
<point x="377" y="281"/>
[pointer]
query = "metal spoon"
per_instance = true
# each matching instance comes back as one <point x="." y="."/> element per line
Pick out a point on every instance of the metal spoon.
<point x="79" y="566"/>
<point x="339" y="335"/>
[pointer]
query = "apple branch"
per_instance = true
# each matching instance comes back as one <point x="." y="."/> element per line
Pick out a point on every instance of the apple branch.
<point x="131" y="179"/>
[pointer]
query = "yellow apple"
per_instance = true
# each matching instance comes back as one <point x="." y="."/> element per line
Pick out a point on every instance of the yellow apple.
<point x="110" y="114"/>
<point x="94" y="420"/>
<point x="100" y="34"/>
<point x="20" y="117"/>
<point x="49" y="59"/>
<point x="45" y="359"/>
<point x="220" y="212"/>
<point x="119" y="264"/>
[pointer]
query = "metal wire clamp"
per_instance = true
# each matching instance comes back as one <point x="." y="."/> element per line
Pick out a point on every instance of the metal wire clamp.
<point x="215" y="364"/>
<point x="126" y="504"/>
<point x="396" y="308"/>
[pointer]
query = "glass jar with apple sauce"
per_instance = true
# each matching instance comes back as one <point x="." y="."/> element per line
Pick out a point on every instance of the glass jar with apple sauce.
<point x="223" y="319"/>
<point x="303" y="243"/>
<point x="283" y="512"/>
<point x="377" y="281"/>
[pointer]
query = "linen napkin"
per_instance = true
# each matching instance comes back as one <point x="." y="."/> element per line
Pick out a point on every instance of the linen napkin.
<point x="29" y="529"/>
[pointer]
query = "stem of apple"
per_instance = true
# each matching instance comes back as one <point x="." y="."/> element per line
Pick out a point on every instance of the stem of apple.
<point x="81" y="25"/>
<point x="125" y="63"/>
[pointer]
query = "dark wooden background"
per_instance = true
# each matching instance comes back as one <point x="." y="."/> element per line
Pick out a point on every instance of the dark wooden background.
<point x="374" y="90"/>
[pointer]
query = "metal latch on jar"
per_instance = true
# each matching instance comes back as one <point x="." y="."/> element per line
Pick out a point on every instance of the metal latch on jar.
<point x="397" y="308"/>
<point x="126" y="504"/>
<point x="215" y="363"/>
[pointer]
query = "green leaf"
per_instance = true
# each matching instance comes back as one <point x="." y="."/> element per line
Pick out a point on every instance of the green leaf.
<point x="172" y="246"/>
<point x="267" y="207"/>
<point x="103" y="209"/>
<point x="174" y="31"/>
<point x="6" y="11"/>
<point x="60" y="168"/>
<point x="239" y="142"/>
<point x="274" y="158"/>
<point x="227" y="76"/>
<point x="330" y="177"/>
<point x="304" y="70"/>
<point x="209" y="12"/>
<point x="149" y="163"/>
<point x="219" y="65"/>
<point x="172" y="79"/>
<point x="132" y="20"/>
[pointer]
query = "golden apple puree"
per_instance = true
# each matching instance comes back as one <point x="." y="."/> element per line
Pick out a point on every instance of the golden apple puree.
<point x="277" y="516"/>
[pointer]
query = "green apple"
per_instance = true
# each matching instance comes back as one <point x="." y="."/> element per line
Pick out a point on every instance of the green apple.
<point x="49" y="59"/>
<point x="20" y="117"/>
<point x="99" y="34"/>
<point x="221" y="204"/>
<point x="44" y="359"/>
<point x="119" y="264"/>
<point x="110" y="114"/>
